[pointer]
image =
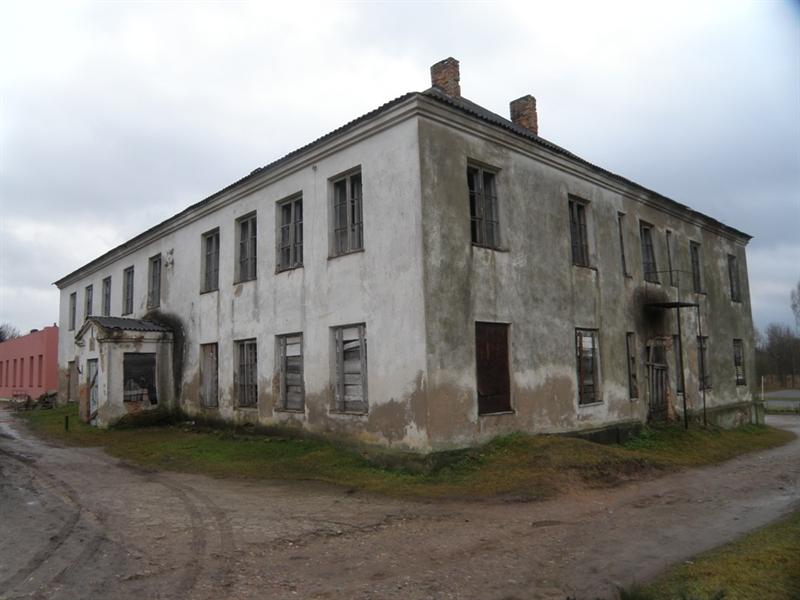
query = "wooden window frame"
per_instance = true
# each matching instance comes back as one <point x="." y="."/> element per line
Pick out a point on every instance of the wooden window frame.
<point x="578" y="231"/>
<point x="106" y="308"/>
<point x="649" y="259"/>
<point x="593" y="334"/>
<point x="289" y="236"/>
<point x="246" y="373"/>
<point x="88" y="301"/>
<point x="154" y="264"/>
<point x="738" y="362"/>
<point x="127" y="290"/>
<point x="281" y="343"/>
<point x="342" y="404"/>
<point x="247" y="247"/>
<point x="347" y="237"/>
<point x="484" y="206"/>
<point x="209" y="251"/>
<point x="695" y="256"/>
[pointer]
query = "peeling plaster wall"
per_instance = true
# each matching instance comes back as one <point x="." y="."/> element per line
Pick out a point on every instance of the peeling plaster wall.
<point x="532" y="284"/>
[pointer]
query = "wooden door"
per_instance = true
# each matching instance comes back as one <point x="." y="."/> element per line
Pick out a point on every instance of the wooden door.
<point x="491" y="357"/>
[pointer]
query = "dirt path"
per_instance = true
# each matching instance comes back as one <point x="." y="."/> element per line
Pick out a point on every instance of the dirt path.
<point x="76" y="523"/>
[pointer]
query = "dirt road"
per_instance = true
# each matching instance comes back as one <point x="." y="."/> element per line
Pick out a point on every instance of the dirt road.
<point x="78" y="524"/>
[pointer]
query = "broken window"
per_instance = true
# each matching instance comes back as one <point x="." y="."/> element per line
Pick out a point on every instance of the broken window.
<point x="107" y="296"/>
<point x="246" y="227"/>
<point x="127" y="291"/>
<point x="350" y="344"/>
<point x="491" y="366"/>
<point x="697" y="278"/>
<point x="73" y="300"/>
<point x="733" y="275"/>
<point x="209" y="375"/>
<point x="139" y="377"/>
<point x="702" y="359"/>
<point x="290" y="358"/>
<point x="621" y="227"/>
<point x="678" y="349"/>
<point x="738" y="361"/>
<point x="648" y="253"/>
<point x="483" y="209"/>
<point x="87" y="301"/>
<point x="290" y="233"/>
<point x="210" y="261"/>
<point x="247" y="373"/>
<point x="154" y="282"/>
<point x="586" y="358"/>
<point x="348" y="226"/>
<point x="633" y="373"/>
<point x="669" y="257"/>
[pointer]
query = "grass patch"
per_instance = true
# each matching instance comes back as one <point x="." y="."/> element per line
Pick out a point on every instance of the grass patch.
<point x="762" y="565"/>
<point x="518" y="467"/>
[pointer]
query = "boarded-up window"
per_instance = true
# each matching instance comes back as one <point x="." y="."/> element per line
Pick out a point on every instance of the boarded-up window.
<point x="350" y="345"/>
<point x="697" y="274"/>
<point x="154" y="282"/>
<point x="290" y="357"/>
<point x="290" y="233"/>
<point x="210" y="261"/>
<point x="246" y="227"/>
<point x="139" y="377"/>
<point x="491" y="365"/>
<point x="88" y="296"/>
<point x="127" y="291"/>
<point x="348" y="220"/>
<point x="578" y="232"/>
<point x="702" y="360"/>
<point x="73" y="299"/>
<point x="107" y="296"/>
<point x="483" y="209"/>
<point x="633" y="372"/>
<point x="247" y="373"/>
<point x="209" y="374"/>
<point x="648" y="253"/>
<point x="586" y="356"/>
<point x="738" y="362"/>
<point x="733" y="276"/>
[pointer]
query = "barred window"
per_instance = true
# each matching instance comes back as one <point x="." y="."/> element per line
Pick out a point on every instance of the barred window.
<point x="107" y="296"/>
<point x="290" y="357"/>
<point x="648" y="253"/>
<point x="127" y="291"/>
<point x="210" y="249"/>
<point x="88" y="296"/>
<point x="290" y="233"/>
<point x="578" y="233"/>
<point x="348" y="219"/>
<point x="697" y="274"/>
<point x="483" y="210"/>
<point x="247" y="373"/>
<point x="154" y="282"/>
<point x="247" y="248"/>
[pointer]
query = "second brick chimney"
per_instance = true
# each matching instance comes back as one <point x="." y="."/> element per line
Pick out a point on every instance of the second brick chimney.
<point x="445" y="76"/>
<point x="523" y="113"/>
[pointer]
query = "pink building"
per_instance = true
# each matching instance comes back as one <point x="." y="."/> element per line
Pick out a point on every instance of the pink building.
<point x="29" y="364"/>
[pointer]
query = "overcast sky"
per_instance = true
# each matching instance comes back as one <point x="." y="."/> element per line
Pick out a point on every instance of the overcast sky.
<point x="114" y="116"/>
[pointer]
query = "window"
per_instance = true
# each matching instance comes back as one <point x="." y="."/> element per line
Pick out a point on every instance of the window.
<point x="621" y="226"/>
<point x="290" y="358"/>
<point x="154" y="282"/>
<point x="348" y="226"/>
<point x="648" y="253"/>
<point x="697" y="278"/>
<point x="633" y="374"/>
<point x="247" y="373"/>
<point x="210" y="248"/>
<point x="491" y="366"/>
<point x="702" y="360"/>
<point x="290" y="233"/>
<point x="73" y="299"/>
<point x="87" y="301"/>
<point x="738" y="361"/>
<point x="41" y="366"/>
<point x="139" y="377"/>
<point x="209" y="375"/>
<point x="578" y="234"/>
<point x="677" y="347"/>
<point x="350" y="345"/>
<point x="483" y="210"/>
<point x="107" y="296"/>
<point x="127" y="291"/>
<point x="733" y="275"/>
<point x="30" y="372"/>
<point x="669" y="258"/>
<point x="246" y="227"/>
<point x="586" y="358"/>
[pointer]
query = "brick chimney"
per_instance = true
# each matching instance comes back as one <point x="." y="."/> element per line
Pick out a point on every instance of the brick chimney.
<point x="523" y="113"/>
<point x="445" y="76"/>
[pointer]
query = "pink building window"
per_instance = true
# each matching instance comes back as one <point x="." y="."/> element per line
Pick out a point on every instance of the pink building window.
<point x="41" y="368"/>
<point x="30" y="372"/>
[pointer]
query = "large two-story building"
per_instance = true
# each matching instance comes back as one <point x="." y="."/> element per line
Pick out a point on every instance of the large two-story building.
<point x="429" y="275"/>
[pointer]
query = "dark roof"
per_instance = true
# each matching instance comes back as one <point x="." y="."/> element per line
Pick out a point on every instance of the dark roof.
<point x="466" y="106"/>
<point x="123" y="324"/>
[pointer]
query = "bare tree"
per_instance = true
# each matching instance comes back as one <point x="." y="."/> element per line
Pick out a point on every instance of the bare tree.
<point x="8" y="332"/>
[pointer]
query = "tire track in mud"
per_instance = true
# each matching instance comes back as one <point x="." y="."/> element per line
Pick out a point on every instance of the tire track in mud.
<point x="56" y="541"/>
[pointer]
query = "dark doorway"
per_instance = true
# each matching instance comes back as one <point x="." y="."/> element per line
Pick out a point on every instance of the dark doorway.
<point x="139" y="374"/>
<point x="658" y="407"/>
<point x="491" y="357"/>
